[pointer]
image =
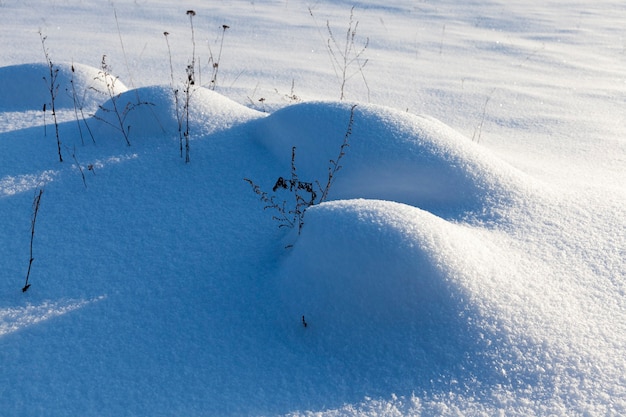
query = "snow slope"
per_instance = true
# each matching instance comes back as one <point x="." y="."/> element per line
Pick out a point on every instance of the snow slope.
<point x="470" y="263"/>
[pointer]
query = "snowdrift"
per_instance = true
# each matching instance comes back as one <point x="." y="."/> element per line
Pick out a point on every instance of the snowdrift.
<point x="395" y="156"/>
<point x="27" y="87"/>
<point x="164" y="287"/>
<point x="370" y="272"/>
<point x="152" y="113"/>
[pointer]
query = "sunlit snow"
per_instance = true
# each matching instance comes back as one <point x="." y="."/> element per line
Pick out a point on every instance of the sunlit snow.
<point x="469" y="259"/>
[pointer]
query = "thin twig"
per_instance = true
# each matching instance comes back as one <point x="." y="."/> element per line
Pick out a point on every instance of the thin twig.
<point x="344" y="57"/>
<point x="335" y="165"/>
<point x="479" y="128"/>
<point x="36" y="202"/>
<point x="53" y="88"/>
<point x="216" y="64"/>
<point x="175" y="91"/>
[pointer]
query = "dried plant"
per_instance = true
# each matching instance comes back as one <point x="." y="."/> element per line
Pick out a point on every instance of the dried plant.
<point x="119" y="34"/>
<point x="78" y="106"/>
<point x="191" y="14"/>
<point x="33" y="221"/>
<point x="215" y="62"/>
<point x="335" y="165"/>
<point x="303" y="193"/>
<point x="175" y="91"/>
<point x="119" y="110"/>
<point x="281" y="216"/>
<point x="479" y="129"/>
<point x="291" y="97"/>
<point x="190" y="81"/>
<point x="346" y="58"/>
<point x="53" y="89"/>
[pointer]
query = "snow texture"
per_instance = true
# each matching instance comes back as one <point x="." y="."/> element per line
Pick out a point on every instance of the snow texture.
<point x="469" y="259"/>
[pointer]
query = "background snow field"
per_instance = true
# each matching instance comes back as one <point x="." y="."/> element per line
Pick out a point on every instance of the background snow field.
<point x="469" y="260"/>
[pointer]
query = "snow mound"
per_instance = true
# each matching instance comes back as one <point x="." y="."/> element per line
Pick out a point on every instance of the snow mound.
<point x="27" y="87"/>
<point x="345" y="281"/>
<point x="394" y="156"/>
<point x="151" y="112"/>
<point x="370" y="272"/>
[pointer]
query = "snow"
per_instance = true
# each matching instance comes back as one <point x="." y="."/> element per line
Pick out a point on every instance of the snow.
<point x="468" y="261"/>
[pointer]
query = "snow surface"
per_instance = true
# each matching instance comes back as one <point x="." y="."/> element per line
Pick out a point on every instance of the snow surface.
<point x="469" y="261"/>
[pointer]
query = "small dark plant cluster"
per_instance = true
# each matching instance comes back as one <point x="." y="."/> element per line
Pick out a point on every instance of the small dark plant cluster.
<point x="304" y="194"/>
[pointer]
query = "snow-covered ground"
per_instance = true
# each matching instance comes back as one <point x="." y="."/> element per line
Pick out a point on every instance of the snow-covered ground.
<point x="469" y="259"/>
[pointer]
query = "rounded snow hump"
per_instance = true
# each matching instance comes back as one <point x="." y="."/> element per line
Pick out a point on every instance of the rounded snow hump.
<point x="394" y="156"/>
